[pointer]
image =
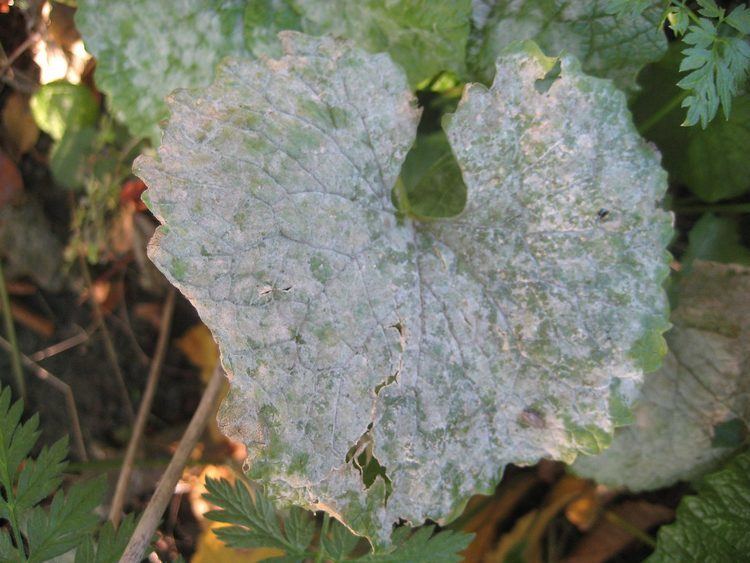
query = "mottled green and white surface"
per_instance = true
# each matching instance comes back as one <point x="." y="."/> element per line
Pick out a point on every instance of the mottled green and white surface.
<point x="515" y="331"/>
<point x="608" y="46"/>
<point x="704" y="383"/>
<point x="146" y="49"/>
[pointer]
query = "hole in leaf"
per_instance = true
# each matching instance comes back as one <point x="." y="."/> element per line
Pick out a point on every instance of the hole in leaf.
<point x="361" y="456"/>
<point x="394" y="376"/>
<point x="431" y="185"/>
<point x="542" y="85"/>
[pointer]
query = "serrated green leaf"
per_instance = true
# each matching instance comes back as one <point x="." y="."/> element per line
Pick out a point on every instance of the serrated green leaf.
<point x="256" y="519"/>
<point x="8" y="552"/>
<point x="86" y="551"/>
<point x="425" y="37"/>
<point x="339" y="542"/>
<point x="711" y="162"/>
<point x="146" y="49"/>
<point x="69" y="518"/>
<point x="60" y="106"/>
<point x="16" y="440"/>
<point x="40" y="478"/>
<point x="299" y="528"/>
<point x="607" y="45"/>
<point x="110" y="543"/>
<point x="240" y="537"/>
<point x="713" y="525"/>
<point x="739" y="19"/>
<point x="709" y="9"/>
<point x="423" y="546"/>
<point x="717" y="66"/>
<point x="319" y="293"/>
<point x="704" y="383"/>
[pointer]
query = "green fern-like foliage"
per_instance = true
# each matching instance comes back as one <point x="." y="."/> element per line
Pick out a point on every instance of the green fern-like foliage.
<point x="110" y="545"/>
<point x="256" y="523"/>
<point x="34" y="533"/>
<point x="716" y="58"/>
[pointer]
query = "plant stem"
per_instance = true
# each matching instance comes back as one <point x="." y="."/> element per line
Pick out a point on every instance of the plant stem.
<point x="662" y="112"/>
<point x="123" y="480"/>
<point x="62" y="387"/>
<point x="108" y="344"/>
<point x="148" y="523"/>
<point x="10" y="329"/>
<point x="629" y="528"/>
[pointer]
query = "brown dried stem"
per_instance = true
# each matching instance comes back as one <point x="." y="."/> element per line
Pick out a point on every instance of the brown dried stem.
<point x="123" y="480"/>
<point x="148" y="523"/>
<point x="63" y="388"/>
<point x="108" y="344"/>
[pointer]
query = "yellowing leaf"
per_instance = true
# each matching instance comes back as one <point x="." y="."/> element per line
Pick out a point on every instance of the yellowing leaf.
<point x="201" y="349"/>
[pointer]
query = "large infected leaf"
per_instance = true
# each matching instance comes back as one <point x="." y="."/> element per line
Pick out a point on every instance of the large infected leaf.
<point x="146" y="49"/>
<point x="696" y="409"/>
<point x="446" y="349"/>
<point x="607" y="45"/>
<point x="423" y="36"/>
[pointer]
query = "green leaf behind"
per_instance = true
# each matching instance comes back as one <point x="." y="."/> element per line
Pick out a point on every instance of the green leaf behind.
<point x="712" y="525"/>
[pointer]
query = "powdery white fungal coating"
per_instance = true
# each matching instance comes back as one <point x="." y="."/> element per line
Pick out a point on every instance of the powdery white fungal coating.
<point x="704" y="383"/>
<point x="509" y="333"/>
<point x="146" y="49"/>
<point x="607" y="45"/>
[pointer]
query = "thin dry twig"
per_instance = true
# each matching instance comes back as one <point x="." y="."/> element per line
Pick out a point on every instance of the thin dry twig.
<point x="123" y="480"/>
<point x="61" y="346"/>
<point x="148" y="523"/>
<point x="108" y="344"/>
<point x="124" y="324"/>
<point x="18" y="51"/>
<point x="63" y="388"/>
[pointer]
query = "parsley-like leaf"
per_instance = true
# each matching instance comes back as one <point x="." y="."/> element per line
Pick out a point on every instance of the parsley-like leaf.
<point x="33" y="533"/>
<point x="424" y="546"/>
<point x="110" y="545"/>
<point x="255" y="523"/>
<point x="69" y="519"/>
<point x="717" y="56"/>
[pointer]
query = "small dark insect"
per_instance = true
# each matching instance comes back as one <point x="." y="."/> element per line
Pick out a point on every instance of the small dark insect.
<point x="602" y="213"/>
<point x="532" y="418"/>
